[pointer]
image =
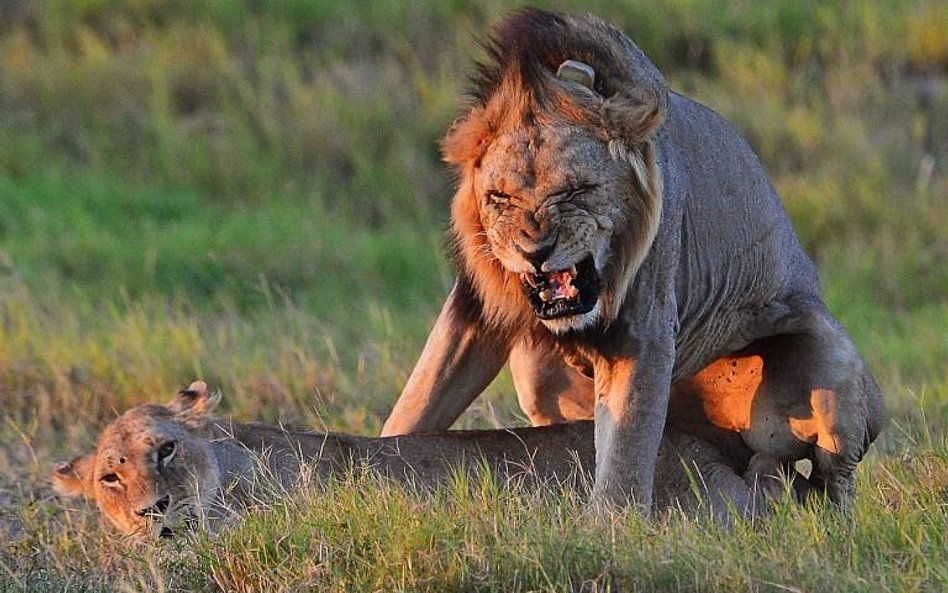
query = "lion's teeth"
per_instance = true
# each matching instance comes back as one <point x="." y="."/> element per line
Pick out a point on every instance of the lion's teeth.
<point x="546" y="295"/>
<point x="528" y="278"/>
<point x="573" y="271"/>
<point x="572" y="292"/>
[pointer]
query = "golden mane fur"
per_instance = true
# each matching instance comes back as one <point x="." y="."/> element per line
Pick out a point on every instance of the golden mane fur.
<point x="517" y="91"/>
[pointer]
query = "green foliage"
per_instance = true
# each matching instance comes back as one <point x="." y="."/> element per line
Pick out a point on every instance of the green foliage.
<point x="251" y="193"/>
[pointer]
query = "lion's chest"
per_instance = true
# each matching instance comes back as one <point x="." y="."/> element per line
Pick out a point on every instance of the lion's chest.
<point x="578" y="361"/>
<point x="581" y="350"/>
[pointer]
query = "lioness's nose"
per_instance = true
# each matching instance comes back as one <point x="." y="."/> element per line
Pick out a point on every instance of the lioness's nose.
<point x="159" y="508"/>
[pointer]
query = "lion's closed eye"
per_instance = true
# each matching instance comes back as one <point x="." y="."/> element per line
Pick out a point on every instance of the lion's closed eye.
<point x="497" y="197"/>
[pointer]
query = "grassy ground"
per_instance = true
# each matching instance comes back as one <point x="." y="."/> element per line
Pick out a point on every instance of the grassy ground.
<point x="251" y="193"/>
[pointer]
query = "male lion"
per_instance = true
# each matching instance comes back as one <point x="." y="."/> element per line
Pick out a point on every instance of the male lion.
<point x="605" y="227"/>
<point x="159" y="468"/>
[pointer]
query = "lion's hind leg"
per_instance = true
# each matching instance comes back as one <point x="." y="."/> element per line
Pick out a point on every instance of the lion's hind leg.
<point x="819" y="384"/>
<point x="772" y="481"/>
<point x="847" y="420"/>
<point x="707" y="475"/>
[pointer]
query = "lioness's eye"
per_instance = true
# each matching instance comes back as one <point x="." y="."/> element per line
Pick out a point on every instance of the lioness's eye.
<point x="497" y="197"/>
<point x="109" y="478"/>
<point x="165" y="451"/>
<point x="578" y="191"/>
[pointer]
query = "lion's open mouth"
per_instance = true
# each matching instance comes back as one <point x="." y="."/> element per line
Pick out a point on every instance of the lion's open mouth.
<point x="562" y="293"/>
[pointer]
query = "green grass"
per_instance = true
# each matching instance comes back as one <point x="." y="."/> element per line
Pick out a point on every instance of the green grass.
<point x="83" y="228"/>
<point x="366" y="534"/>
<point x="251" y="193"/>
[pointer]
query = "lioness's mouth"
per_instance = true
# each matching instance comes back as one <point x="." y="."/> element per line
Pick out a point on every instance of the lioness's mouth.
<point x="187" y="524"/>
<point x="562" y="293"/>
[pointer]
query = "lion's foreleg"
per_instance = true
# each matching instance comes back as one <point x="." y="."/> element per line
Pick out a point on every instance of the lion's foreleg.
<point x="631" y="406"/>
<point x="549" y="390"/>
<point x="459" y="360"/>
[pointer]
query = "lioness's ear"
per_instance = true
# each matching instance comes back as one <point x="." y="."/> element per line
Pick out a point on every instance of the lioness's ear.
<point x="194" y="403"/>
<point x="74" y="478"/>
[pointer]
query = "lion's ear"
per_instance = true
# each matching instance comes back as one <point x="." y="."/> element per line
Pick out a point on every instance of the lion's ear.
<point x="467" y="138"/>
<point x="633" y="104"/>
<point x="194" y="403"/>
<point x="577" y="72"/>
<point x="635" y="93"/>
<point x="74" y="478"/>
<point x="634" y="113"/>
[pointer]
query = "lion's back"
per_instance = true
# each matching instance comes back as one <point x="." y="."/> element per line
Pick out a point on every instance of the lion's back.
<point x="739" y="255"/>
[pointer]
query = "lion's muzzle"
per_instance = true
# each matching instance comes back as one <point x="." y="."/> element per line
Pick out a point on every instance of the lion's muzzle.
<point x="562" y="293"/>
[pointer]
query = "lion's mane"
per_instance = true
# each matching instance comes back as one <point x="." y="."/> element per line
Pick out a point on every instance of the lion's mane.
<point x="516" y="87"/>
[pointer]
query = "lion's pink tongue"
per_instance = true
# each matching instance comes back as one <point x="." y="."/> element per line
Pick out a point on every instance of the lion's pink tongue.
<point x="561" y="284"/>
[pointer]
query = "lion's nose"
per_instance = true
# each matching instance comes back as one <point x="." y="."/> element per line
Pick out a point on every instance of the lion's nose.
<point x="159" y="508"/>
<point x="536" y="254"/>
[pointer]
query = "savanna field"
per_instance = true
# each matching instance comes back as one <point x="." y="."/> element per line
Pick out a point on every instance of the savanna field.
<point x="251" y="193"/>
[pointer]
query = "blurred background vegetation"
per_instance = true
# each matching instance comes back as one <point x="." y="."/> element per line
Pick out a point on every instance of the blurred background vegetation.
<point x="251" y="192"/>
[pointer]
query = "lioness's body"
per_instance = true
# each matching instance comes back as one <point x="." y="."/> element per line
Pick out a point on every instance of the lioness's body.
<point x="158" y="468"/>
<point x="578" y="169"/>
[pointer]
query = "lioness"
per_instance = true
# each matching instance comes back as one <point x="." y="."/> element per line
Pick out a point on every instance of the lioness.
<point x="614" y="239"/>
<point x="159" y="468"/>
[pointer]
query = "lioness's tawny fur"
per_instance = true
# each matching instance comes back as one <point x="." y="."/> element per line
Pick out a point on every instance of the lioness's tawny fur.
<point x="157" y="469"/>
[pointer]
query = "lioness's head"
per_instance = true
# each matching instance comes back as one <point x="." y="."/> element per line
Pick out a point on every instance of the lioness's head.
<point x="152" y="471"/>
<point x="559" y="195"/>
